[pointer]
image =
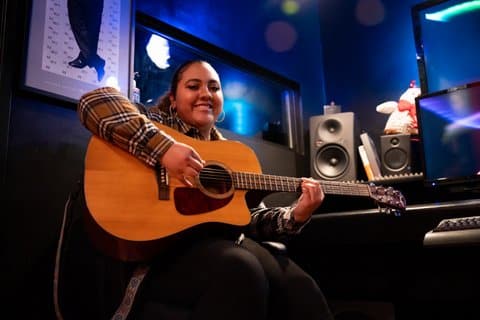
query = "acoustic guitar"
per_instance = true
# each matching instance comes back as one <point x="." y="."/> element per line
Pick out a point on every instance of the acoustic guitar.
<point x="133" y="210"/>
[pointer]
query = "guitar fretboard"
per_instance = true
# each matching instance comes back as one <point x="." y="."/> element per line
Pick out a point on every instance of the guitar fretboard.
<point x="267" y="182"/>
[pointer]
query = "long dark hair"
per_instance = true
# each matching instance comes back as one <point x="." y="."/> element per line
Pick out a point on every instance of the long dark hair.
<point x="164" y="101"/>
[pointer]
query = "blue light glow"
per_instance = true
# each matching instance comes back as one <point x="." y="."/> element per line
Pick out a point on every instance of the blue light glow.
<point x="158" y="51"/>
<point x="457" y="114"/>
<point x="241" y="118"/>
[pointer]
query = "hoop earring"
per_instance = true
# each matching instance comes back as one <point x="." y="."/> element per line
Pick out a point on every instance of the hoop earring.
<point x="221" y="117"/>
<point x="172" y="108"/>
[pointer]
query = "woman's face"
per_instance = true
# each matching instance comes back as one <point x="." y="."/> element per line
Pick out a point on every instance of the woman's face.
<point x="199" y="98"/>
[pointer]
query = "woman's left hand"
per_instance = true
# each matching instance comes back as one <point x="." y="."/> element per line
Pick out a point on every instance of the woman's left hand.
<point x="311" y="198"/>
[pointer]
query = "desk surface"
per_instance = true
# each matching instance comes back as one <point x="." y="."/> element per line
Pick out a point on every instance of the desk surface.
<point x="457" y="206"/>
<point x="372" y="226"/>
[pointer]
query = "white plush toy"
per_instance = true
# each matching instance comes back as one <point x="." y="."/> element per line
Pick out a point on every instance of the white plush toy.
<point x="403" y="115"/>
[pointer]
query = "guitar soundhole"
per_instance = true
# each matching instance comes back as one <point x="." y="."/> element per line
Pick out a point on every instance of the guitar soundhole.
<point x="215" y="181"/>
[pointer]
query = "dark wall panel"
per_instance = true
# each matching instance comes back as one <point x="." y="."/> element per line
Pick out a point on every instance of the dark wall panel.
<point x="45" y="159"/>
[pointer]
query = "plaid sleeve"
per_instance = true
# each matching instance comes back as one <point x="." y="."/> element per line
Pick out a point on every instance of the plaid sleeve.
<point x="111" y="116"/>
<point x="276" y="223"/>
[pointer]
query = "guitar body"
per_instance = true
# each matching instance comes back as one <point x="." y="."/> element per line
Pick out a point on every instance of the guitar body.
<point x="126" y="217"/>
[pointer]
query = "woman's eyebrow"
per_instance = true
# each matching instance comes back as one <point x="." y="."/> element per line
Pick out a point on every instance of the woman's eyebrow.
<point x="198" y="80"/>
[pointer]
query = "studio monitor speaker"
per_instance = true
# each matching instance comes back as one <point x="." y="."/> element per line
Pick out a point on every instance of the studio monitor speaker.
<point x="395" y="154"/>
<point x="332" y="147"/>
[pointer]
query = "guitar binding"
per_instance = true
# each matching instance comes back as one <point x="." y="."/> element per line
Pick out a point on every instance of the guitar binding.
<point x="215" y="180"/>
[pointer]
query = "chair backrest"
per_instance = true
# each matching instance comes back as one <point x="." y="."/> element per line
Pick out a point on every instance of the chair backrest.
<point x="81" y="272"/>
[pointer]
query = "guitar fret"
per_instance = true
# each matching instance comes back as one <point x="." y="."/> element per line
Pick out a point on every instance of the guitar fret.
<point x="237" y="180"/>
<point x="276" y="184"/>
<point x="288" y="185"/>
<point x="283" y="184"/>
<point x="268" y="182"/>
<point x="244" y="181"/>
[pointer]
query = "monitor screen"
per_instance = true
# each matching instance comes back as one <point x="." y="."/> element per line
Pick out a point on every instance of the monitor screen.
<point x="449" y="128"/>
<point x="446" y="36"/>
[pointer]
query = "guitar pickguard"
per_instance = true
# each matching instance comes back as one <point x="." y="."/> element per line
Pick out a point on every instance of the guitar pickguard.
<point x="191" y="201"/>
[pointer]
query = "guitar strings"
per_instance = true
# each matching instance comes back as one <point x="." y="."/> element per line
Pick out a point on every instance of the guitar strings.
<point x="261" y="181"/>
<point x="221" y="175"/>
<point x="213" y="173"/>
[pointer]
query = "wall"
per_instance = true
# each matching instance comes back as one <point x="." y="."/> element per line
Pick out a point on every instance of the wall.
<point x="5" y="94"/>
<point x="356" y="53"/>
<point x="42" y="147"/>
<point x="369" y="55"/>
<point x="243" y="27"/>
<point x="42" y="142"/>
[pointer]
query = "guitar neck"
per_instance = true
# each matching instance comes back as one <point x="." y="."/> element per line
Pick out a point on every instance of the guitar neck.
<point x="265" y="182"/>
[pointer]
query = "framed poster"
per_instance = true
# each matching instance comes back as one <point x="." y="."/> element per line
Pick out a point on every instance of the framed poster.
<point x="75" y="46"/>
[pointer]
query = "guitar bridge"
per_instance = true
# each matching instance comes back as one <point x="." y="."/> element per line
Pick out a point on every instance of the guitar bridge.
<point x="162" y="183"/>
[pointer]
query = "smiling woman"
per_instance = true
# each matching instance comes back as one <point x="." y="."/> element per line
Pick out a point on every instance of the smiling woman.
<point x="258" y="103"/>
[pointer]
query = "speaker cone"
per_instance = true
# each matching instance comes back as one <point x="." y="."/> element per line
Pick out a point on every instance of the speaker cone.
<point x="331" y="162"/>
<point x="396" y="159"/>
<point x="329" y="130"/>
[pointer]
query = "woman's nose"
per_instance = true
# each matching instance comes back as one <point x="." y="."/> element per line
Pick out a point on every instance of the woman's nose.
<point x="205" y="92"/>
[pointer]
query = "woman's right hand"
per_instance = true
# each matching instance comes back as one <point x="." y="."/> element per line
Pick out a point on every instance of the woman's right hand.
<point x="182" y="162"/>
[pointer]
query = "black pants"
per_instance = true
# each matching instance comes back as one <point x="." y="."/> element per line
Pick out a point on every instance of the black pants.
<point x="218" y="279"/>
<point x="85" y="18"/>
<point x="213" y="278"/>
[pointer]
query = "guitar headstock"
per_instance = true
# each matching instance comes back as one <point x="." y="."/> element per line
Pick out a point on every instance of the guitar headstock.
<point x="388" y="198"/>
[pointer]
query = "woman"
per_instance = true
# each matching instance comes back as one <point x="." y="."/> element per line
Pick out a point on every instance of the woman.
<point x="216" y="276"/>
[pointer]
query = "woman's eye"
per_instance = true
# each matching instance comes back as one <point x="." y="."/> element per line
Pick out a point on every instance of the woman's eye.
<point x="195" y="87"/>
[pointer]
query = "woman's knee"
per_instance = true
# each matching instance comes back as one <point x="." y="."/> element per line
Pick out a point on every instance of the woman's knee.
<point x="239" y="284"/>
<point x="244" y="268"/>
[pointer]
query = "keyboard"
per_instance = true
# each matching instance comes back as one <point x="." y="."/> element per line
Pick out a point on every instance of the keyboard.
<point x="458" y="224"/>
<point x="454" y="231"/>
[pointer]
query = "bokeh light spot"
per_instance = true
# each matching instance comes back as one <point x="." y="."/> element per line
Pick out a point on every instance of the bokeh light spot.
<point x="370" y="12"/>
<point x="280" y="36"/>
<point x="290" y="7"/>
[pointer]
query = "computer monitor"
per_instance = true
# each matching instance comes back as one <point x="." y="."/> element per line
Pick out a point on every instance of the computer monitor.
<point x="447" y="34"/>
<point x="449" y="130"/>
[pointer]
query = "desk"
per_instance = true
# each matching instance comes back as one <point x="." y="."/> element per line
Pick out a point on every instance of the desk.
<point x="371" y="226"/>
<point x="369" y="256"/>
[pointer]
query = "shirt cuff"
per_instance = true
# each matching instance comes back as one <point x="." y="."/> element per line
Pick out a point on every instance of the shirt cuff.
<point x="292" y="226"/>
